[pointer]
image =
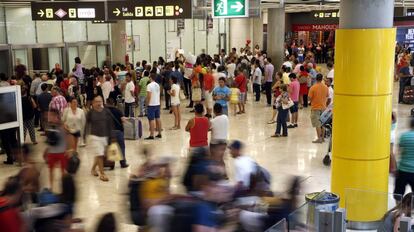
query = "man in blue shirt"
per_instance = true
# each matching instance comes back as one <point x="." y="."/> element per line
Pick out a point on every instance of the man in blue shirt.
<point x="221" y="94"/>
<point x="405" y="78"/>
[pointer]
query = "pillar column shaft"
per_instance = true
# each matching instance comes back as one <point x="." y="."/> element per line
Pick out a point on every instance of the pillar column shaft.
<point x="257" y="31"/>
<point x="276" y="35"/>
<point x="118" y="46"/>
<point x="362" y="113"/>
<point x="239" y="32"/>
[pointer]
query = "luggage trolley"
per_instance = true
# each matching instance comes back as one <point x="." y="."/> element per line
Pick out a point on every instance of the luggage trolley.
<point x="326" y="120"/>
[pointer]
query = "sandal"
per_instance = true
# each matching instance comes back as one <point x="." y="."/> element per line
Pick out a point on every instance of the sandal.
<point x="94" y="173"/>
<point x="103" y="178"/>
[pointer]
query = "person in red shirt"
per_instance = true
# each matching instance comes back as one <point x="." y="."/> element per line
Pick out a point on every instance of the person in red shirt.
<point x="198" y="128"/>
<point x="10" y="219"/>
<point x="303" y="78"/>
<point x="241" y="83"/>
<point x="208" y="87"/>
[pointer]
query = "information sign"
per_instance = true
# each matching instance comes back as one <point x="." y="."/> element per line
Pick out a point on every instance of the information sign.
<point x="149" y="9"/>
<point x="68" y="11"/>
<point x="230" y="8"/>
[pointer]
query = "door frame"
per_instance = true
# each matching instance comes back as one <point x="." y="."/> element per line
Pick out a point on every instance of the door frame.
<point x="6" y="47"/>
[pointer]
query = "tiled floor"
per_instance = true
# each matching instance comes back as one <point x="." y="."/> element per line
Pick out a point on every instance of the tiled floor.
<point x="283" y="157"/>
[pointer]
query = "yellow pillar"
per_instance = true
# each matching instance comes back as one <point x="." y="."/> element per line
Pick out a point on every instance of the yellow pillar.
<point x="364" y="64"/>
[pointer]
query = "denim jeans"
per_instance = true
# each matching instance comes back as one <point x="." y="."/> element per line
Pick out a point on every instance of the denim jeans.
<point x="119" y="136"/>
<point x="281" y="121"/>
<point x="256" y="90"/>
<point x="403" y="83"/>
<point x="142" y="109"/>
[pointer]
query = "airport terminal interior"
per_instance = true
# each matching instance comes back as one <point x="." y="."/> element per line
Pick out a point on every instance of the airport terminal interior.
<point x="206" y="115"/>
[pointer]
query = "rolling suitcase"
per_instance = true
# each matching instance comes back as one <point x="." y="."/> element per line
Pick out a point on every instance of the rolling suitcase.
<point x="133" y="129"/>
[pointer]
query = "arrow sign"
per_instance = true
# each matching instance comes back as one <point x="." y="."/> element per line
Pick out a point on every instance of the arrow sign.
<point x="117" y="12"/>
<point x="41" y="13"/>
<point x="238" y="6"/>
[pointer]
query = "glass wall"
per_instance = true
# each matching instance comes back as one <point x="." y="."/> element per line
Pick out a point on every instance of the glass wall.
<point x="3" y="37"/>
<point x="20" y="27"/>
<point x="49" y="32"/>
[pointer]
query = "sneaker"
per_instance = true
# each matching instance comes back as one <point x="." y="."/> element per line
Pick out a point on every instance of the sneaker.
<point x="149" y="138"/>
<point x="291" y="126"/>
<point x="317" y="141"/>
<point x="158" y="136"/>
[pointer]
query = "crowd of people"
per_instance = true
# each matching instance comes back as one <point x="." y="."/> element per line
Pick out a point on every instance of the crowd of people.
<point x="89" y="107"/>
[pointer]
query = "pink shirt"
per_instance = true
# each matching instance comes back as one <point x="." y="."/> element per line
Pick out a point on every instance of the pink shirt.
<point x="294" y="93"/>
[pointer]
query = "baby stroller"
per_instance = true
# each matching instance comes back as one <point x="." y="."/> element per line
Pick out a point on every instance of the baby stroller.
<point x="326" y="120"/>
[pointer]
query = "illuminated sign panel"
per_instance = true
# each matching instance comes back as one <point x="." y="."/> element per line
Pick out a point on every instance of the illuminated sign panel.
<point x="68" y="11"/>
<point x="149" y="9"/>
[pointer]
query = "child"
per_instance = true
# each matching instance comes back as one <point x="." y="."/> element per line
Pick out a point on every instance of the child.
<point x="234" y="98"/>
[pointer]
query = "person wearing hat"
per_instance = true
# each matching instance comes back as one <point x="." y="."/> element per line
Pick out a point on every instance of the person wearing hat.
<point x="244" y="165"/>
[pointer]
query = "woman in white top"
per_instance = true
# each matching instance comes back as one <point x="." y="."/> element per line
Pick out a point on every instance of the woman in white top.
<point x="175" y="102"/>
<point x="74" y="122"/>
<point x="106" y="87"/>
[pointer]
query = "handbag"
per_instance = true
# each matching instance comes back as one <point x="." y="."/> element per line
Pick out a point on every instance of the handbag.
<point x="289" y="104"/>
<point x="113" y="152"/>
<point x="182" y="95"/>
<point x="196" y="96"/>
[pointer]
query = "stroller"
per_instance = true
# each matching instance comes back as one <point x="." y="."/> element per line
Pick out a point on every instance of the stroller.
<point x="326" y="120"/>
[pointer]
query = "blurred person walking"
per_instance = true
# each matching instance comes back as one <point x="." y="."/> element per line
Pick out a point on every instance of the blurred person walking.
<point x="98" y="128"/>
<point x="74" y="122"/>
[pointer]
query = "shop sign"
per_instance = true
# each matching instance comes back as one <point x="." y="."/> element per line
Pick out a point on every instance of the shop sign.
<point x="149" y="9"/>
<point x="314" y="27"/>
<point x="61" y="11"/>
<point x="230" y="8"/>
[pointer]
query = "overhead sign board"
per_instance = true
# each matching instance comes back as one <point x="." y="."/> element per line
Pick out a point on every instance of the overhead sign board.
<point x="68" y="11"/>
<point x="230" y="8"/>
<point x="149" y="9"/>
<point x="326" y="14"/>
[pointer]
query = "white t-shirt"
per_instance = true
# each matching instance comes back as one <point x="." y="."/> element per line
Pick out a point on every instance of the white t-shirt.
<point x="217" y="76"/>
<point x="129" y="98"/>
<point x="330" y="74"/>
<point x="244" y="167"/>
<point x="331" y="93"/>
<point x="219" y="128"/>
<point x="287" y="64"/>
<point x="154" y="89"/>
<point x="106" y="89"/>
<point x="175" y="100"/>
<point x="257" y="74"/>
<point x="230" y="69"/>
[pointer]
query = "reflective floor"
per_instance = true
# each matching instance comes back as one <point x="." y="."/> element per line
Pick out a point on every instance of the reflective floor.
<point x="283" y="157"/>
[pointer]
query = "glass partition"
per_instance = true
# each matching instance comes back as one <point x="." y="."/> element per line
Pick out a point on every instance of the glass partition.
<point x="279" y="227"/>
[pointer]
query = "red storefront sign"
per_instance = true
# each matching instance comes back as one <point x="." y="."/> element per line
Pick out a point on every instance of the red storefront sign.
<point x="314" y="27"/>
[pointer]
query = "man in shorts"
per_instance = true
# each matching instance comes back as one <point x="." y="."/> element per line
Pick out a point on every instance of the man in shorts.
<point x="154" y="105"/>
<point x="241" y="82"/>
<point x="318" y="95"/>
<point x="98" y="128"/>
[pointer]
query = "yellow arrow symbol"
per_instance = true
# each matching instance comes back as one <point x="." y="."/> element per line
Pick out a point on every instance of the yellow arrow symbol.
<point x="41" y="13"/>
<point x="117" y="12"/>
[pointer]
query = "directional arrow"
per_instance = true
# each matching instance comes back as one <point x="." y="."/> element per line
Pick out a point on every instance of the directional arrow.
<point x="41" y="13"/>
<point x="117" y="12"/>
<point x="238" y="6"/>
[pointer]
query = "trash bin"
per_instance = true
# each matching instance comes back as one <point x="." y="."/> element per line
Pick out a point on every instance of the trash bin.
<point x="321" y="201"/>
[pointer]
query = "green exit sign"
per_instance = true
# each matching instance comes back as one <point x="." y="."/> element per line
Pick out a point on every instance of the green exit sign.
<point x="230" y="8"/>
